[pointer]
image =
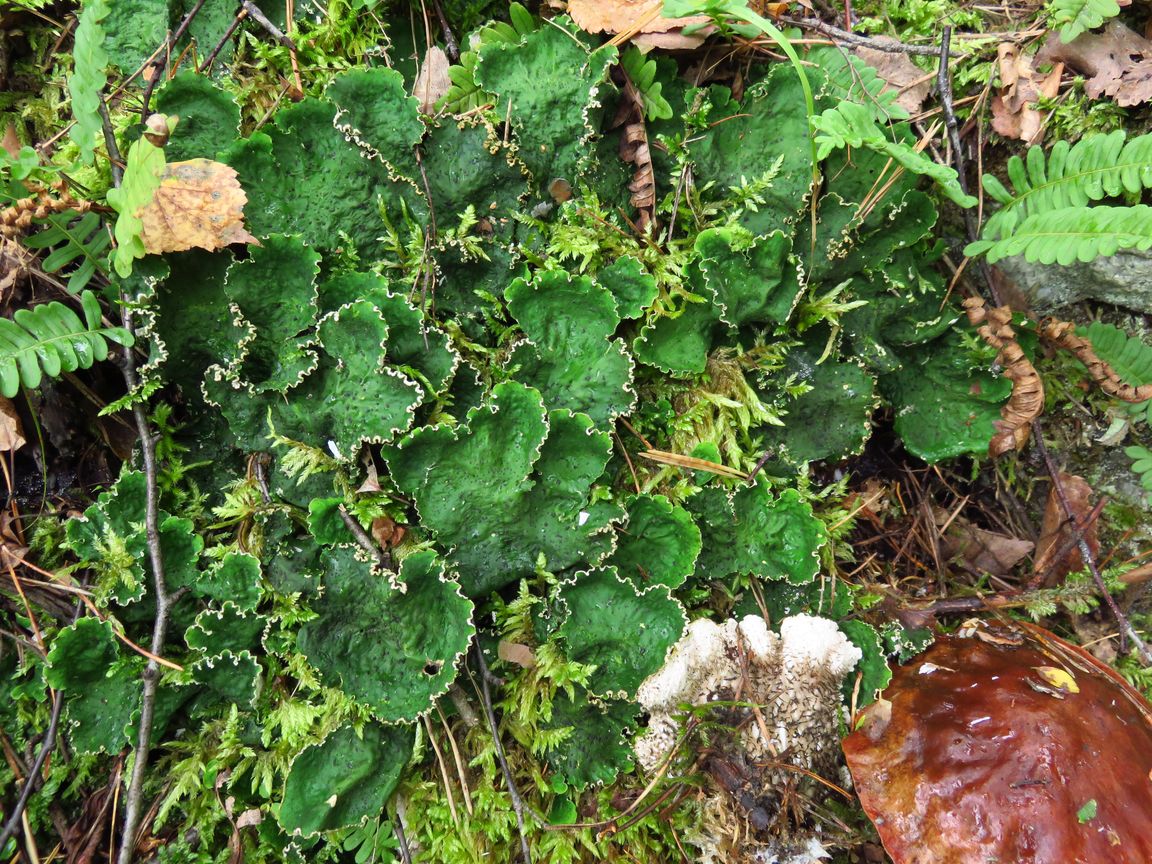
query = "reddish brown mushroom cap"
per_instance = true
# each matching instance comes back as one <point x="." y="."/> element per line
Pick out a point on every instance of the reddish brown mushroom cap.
<point x="980" y="753"/>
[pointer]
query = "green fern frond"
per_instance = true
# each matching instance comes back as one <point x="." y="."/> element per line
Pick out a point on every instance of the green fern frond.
<point x="465" y="94"/>
<point x="1094" y="168"/>
<point x="642" y="73"/>
<point x="852" y="125"/>
<point x="1141" y="465"/>
<point x="86" y="83"/>
<point x="847" y="78"/>
<point x="1072" y="234"/>
<point x="1073" y="17"/>
<point x="1129" y="358"/>
<point x="50" y="339"/>
<point x="71" y="240"/>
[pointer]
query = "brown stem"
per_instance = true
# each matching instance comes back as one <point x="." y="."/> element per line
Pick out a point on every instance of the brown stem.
<point x="164" y="600"/>
<point x="490" y="715"/>
<point x="890" y="46"/>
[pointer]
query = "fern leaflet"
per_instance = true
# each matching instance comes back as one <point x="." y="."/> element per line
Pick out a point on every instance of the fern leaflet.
<point x="1072" y="234"/>
<point x="1096" y="167"/>
<point x="852" y="125"/>
<point x="88" y="78"/>
<point x="1073" y="17"/>
<point x="1141" y="465"/>
<point x="70" y="239"/>
<point x="642" y="73"/>
<point x="51" y="337"/>
<point x="1129" y="357"/>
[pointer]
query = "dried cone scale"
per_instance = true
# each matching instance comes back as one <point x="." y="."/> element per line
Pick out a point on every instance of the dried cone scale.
<point x="1010" y="746"/>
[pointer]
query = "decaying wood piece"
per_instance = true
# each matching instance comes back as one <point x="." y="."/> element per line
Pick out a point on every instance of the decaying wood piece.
<point x="1027" y="400"/>
<point x="1063" y="335"/>
<point x="634" y="150"/>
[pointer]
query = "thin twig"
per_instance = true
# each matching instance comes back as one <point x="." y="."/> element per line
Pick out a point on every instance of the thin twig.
<point x="164" y="603"/>
<point x="219" y="46"/>
<point x="162" y="61"/>
<point x="462" y="705"/>
<point x="401" y="841"/>
<point x="490" y="715"/>
<point x="451" y="46"/>
<point x="260" y="18"/>
<point x="30" y="779"/>
<point x="1126" y="628"/>
<point x="1072" y="541"/>
<point x="891" y="46"/>
<point x="114" y="158"/>
<point x="364" y="541"/>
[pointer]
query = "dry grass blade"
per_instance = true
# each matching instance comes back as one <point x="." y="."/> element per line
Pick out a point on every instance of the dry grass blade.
<point x="691" y="463"/>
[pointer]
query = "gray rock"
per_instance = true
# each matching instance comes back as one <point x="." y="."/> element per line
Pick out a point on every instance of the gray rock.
<point x="1123" y="279"/>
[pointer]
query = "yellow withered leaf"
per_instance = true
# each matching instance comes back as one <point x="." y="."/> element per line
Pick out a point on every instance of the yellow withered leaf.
<point x="199" y="205"/>
<point x="1061" y="679"/>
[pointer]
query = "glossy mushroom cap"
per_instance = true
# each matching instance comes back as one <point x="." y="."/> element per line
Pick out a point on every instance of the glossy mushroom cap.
<point x="1011" y="746"/>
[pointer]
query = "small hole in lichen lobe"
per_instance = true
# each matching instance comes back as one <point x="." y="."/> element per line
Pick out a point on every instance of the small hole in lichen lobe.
<point x="433" y="667"/>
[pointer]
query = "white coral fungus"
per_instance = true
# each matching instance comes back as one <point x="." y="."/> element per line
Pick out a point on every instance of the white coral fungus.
<point x="793" y="679"/>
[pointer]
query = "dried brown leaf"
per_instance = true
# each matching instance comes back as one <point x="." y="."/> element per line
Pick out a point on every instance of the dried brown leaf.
<point x="387" y="532"/>
<point x="1027" y="399"/>
<point x="1057" y="553"/>
<point x="11" y="141"/>
<point x="1014" y="114"/>
<point x="1062" y="334"/>
<point x="903" y="76"/>
<point x="432" y="81"/>
<point x="1118" y="62"/>
<point x="199" y="205"/>
<point x="622" y="16"/>
<point x="11" y="434"/>
<point x="985" y="551"/>
<point x="634" y="150"/>
<point x="515" y="652"/>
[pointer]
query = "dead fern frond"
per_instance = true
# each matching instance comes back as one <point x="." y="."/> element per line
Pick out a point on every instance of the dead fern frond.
<point x="634" y="150"/>
<point x="1027" y="399"/>
<point x="17" y="218"/>
<point x="1062" y="334"/>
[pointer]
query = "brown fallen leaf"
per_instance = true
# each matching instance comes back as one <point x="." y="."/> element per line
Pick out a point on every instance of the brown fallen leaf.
<point x="982" y="550"/>
<point x="432" y="80"/>
<point x="514" y="652"/>
<point x="909" y="81"/>
<point x="387" y="532"/>
<point x="634" y="150"/>
<point x="11" y="141"/>
<point x="1014" y="114"/>
<point x="641" y="18"/>
<point x="1057" y="552"/>
<point x="1118" y="61"/>
<point x="199" y="205"/>
<point x="1027" y="400"/>
<point x="11" y="434"/>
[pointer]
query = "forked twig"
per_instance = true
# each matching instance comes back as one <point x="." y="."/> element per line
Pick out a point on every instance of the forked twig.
<point x="162" y="58"/>
<point x="489" y="714"/>
<point x="164" y="602"/>
<point x="890" y="46"/>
